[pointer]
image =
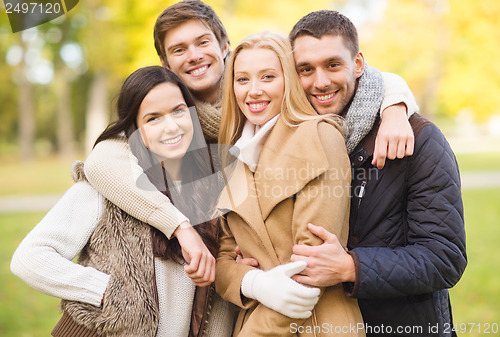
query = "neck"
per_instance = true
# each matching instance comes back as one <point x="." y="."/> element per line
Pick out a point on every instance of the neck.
<point x="210" y="96"/>
<point x="173" y="167"/>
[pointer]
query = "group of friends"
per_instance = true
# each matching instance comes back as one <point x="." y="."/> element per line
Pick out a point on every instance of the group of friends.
<point x="316" y="234"/>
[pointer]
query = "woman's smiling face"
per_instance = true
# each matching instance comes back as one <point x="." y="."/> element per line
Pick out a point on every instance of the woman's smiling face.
<point x="165" y="122"/>
<point x="259" y="84"/>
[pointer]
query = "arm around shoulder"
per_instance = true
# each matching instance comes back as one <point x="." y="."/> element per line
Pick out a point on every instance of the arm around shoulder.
<point x="112" y="169"/>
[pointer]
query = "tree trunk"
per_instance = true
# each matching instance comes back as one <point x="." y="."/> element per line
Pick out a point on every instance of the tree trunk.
<point x="97" y="110"/>
<point x="26" y="117"/>
<point x="65" y="135"/>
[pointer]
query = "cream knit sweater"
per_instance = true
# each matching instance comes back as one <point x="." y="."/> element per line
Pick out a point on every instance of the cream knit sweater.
<point x="43" y="261"/>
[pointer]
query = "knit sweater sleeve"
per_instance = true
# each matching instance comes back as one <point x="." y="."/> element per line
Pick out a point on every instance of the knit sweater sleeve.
<point x="396" y="91"/>
<point x="112" y="169"/>
<point x="43" y="259"/>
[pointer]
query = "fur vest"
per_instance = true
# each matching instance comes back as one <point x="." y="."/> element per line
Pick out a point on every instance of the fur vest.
<point x="122" y="247"/>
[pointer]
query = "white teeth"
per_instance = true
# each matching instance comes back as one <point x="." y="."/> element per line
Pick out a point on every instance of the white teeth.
<point x="258" y="105"/>
<point x="172" y="140"/>
<point x="199" y="70"/>
<point x="324" y="97"/>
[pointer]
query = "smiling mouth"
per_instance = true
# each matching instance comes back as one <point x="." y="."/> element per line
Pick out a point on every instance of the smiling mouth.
<point x="325" y="98"/>
<point x="172" y="141"/>
<point x="257" y="107"/>
<point x="199" y="71"/>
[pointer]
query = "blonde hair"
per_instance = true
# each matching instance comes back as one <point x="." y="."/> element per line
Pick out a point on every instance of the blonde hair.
<point x="295" y="107"/>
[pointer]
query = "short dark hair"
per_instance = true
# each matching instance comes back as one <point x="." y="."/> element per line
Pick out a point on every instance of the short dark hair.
<point x="327" y="22"/>
<point x="182" y="12"/>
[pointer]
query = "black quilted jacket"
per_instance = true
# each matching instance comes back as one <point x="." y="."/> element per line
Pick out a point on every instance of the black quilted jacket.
<point x="407" y="236"/>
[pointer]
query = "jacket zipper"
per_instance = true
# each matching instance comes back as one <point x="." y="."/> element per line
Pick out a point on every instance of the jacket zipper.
<point x="361" y="193"/>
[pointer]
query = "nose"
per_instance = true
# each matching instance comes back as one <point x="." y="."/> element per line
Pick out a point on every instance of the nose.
<point x="255" y="89"/>
<point x="194" y="54"/>
<point x="170" y="125"/>
<point x="321" y="80"/>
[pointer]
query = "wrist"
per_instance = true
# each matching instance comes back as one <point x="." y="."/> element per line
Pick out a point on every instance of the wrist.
<point x="350" y="272"/>
<point x="247" y="283"/>
<point x="398" y="109"/>
<point x="182" y="226"/>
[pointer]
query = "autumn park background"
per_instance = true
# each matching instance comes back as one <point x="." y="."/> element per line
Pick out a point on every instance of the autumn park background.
<point x="59" y="80"/>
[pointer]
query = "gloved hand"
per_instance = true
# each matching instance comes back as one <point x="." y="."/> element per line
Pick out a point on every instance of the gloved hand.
<point x="276" y="290"/>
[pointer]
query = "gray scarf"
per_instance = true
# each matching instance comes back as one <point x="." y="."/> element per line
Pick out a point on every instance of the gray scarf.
<point x="364" y="108"/>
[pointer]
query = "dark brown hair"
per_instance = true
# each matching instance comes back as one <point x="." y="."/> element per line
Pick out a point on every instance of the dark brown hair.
<point x="182" y="12"/>
<point x="196" y="164"/>
<point x="327" y="22"/>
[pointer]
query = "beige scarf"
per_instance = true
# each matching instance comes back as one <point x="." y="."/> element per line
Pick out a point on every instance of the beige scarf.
<point x="210" y="116"/>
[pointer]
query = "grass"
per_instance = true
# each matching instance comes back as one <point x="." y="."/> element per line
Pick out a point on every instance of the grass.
<point x="479" y="161"/>
<point x="41" y="176"/>
<point x="24" y="312"/>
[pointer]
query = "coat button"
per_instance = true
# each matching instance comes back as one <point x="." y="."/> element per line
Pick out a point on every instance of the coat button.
<point x="360" y="158"/>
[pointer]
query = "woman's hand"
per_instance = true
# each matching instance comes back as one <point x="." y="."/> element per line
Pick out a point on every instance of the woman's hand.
<point x="201" y="263"/>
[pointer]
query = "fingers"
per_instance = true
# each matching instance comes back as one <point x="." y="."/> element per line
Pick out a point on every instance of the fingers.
<point x="237" y="251"/>
<point x="322" y="233"/>
<point x="292" y="268"/>
<point x="250" y="261"/>
<point x="204" y="274"/>
<point x="410" y="143"/>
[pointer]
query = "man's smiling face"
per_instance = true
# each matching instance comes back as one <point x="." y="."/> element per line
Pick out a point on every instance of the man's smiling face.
<point x="194" y="54"/>
<point x="327" y="71"/>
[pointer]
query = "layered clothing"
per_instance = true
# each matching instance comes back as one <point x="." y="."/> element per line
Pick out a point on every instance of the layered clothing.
<point x="302" y="176"/>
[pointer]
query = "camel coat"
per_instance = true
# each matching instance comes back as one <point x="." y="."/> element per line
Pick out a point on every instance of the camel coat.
<point x="303" y="175"/>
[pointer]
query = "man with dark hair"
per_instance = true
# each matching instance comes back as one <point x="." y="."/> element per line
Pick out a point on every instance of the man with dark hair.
<point x="407" y="238"/>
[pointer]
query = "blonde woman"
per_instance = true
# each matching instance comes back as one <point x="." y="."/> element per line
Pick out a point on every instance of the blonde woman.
<point x="296" y="171"/>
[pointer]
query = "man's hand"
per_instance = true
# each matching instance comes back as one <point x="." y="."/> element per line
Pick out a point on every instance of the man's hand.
<point x="327" y="264"/>
<point x="395" y="136"/>
<point x="249" y="261"/>
<point x="201" y="263"/>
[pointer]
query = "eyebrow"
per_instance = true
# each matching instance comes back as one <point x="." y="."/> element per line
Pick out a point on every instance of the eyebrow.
<point x="331" y="59"/>
<point x="154" y="113"/>
<point x="170" y="48"/>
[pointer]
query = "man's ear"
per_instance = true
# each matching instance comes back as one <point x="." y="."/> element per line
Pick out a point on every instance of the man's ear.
<point x="225" y="50"/>
<point x="164" y="64"/>
<point x="359" y="64"/>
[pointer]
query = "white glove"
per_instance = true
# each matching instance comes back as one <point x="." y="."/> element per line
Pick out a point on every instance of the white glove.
<point x="276" y="290"/>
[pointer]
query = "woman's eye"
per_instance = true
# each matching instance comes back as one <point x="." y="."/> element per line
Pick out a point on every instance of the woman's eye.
<point x="153" y="119"/>
<point x="268" y="77"/>
<point x="178" y="112"/>
<point x="242" y="80"/>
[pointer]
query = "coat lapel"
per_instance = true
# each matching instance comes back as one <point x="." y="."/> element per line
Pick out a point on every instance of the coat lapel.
<point x="288" y="163"/>
<point x="240" y="197"/>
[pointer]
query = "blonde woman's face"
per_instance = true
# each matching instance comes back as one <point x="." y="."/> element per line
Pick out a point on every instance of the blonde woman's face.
<point x="259" y="84"/>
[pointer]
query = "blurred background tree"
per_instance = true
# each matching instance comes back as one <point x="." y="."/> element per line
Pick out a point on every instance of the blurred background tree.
<point x="59" y="79"/>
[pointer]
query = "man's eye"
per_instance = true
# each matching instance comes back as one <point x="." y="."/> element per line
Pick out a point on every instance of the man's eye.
<point x="204" y="42"/>
<point x="178" y="50"/>
<point x="305" y="70"/>
<point x="333" y="65"/>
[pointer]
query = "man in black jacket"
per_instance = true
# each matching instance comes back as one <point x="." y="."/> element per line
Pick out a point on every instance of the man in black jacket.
<point x="407" y="238"/>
